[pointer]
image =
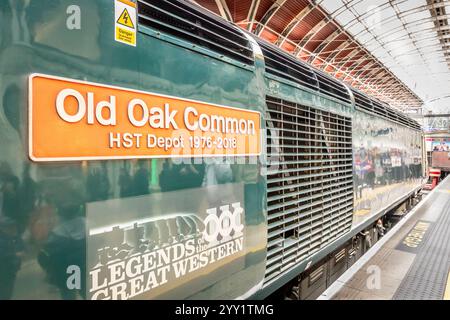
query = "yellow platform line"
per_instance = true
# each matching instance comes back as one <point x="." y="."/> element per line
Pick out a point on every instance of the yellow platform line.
<point x="447" y="288"/>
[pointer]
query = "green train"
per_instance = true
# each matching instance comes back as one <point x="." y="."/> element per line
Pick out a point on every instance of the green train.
<point x="151" y="150"/>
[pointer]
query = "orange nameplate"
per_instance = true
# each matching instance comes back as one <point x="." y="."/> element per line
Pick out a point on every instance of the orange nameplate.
<point x="78" y="120"/>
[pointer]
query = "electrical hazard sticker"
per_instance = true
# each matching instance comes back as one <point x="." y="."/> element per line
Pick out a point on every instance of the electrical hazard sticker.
<point x="125" y="22"/>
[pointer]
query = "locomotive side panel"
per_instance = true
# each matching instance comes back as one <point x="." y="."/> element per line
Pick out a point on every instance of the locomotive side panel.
<point x="387" y="163"/>
<point x="131" y="228"/>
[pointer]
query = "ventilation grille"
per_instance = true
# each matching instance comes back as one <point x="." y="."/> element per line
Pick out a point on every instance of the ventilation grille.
<point x="383" y="110"/>
<point x="332" y="87"/>
<point x="283" y="65"/>
<point x="309" y="182"/>
<point x="379" y="109"/>
<point x="196" y="25"/>
<point x="362" y="101"/>
<point x="286" y="66"/>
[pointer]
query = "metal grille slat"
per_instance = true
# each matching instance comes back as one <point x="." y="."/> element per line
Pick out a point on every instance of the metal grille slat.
<point x="269" y="173"/>
<point x="276" y="194"/>
<point x="293" y="210"/>
<point x="279" y="188"/>
<point x="301" y="215"/>
<point x="309" y="140"/>
<point x="309" y="183"/>
<point x="307" y="132"/>
<point x="281" y="163"/>
<point x="294" y="193"/>
<point x="288" y="203"/>
<point x="340" y="122"/>
<point x="305" y="125"/>
<point x="291" y="146"/>
<point x="307" y="176"/>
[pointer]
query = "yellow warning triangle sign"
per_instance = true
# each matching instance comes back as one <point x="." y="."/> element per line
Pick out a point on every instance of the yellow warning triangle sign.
<point x="125" y="19"/>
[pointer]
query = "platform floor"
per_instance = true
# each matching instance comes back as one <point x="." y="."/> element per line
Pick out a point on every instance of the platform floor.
<point x="411" y="262"/>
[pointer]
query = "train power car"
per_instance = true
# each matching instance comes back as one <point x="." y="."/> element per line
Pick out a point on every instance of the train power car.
<point x="151" y="150"/>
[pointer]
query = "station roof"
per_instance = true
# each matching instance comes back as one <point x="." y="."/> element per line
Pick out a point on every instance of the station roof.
<point x="395" y="50"/>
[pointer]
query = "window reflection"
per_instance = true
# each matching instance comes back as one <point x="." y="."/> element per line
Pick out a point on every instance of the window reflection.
<point x="387" y="163"/>
<point x="43" y="213"/>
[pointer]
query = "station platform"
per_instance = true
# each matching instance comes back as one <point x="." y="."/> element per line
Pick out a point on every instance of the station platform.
<point x="411" y="262"/>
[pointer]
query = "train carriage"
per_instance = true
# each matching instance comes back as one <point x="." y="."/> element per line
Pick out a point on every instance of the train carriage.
<point x="79" y="221"/>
